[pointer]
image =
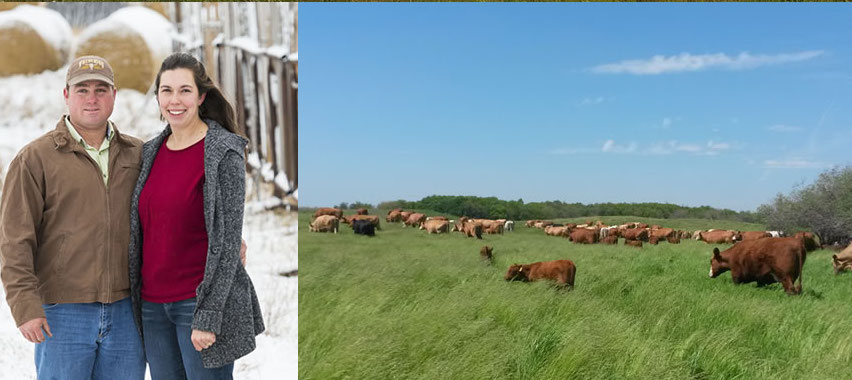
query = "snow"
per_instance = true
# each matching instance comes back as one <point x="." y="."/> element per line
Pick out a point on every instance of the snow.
<point x="49" y="24"/>
<point x="152" y="26"/>
<point x="31" y="106"/>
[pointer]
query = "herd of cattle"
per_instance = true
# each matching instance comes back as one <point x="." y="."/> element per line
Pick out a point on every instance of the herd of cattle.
<point x="764" y="257"/>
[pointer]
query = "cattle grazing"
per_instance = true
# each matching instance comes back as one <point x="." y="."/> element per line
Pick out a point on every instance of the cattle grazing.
<point x="764" y="261"/>
<point x="661" y="233"/>
<point x="414" y="219"/>
<point x="509" y="226"/>
<point x="633" y="243"/>
<point x="361" y="211"/>
<point x="583" y="236"/>
<point x="718" y="236"/>
<point x="843" y="260"/>
<point x="653" y="240"/>
<point x="325" y="223"/>
<point x="754" y="235"/>
<point x="374" y="219"/>
<point x="486" y="253"/>
<point x="435" y="226"/>
<point x="611" y="239"/>
<point x="394" y="216"/>
<point x="809" y="239"/>
<point x="403" y="215"/>
<point x="561" y="271"/>
<point x="364" y="227"/>
<point x="635" y="234"/>
<point x="673" y="240"/>
<point x="329" y="211"/>
<point x="471" y="229"/>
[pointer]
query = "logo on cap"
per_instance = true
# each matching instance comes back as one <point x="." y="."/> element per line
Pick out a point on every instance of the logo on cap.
<point x="92" y="63"/>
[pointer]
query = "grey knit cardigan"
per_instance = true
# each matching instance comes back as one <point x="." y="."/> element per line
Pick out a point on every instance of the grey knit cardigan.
<point x="226" y="301"/>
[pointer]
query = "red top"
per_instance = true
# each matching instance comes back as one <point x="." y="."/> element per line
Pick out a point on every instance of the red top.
<point x="174" y="238"/>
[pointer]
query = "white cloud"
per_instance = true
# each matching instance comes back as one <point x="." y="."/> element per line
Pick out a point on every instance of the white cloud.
<point x="794" y="163"/>
<point x="783" y="128"/>
<point x="610" y="146"/>
<point x="659" y="64"/>
<point x="667" y="122"/>
<point x="593" y="101"/>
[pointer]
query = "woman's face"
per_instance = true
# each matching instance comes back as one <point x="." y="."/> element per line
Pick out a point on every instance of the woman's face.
<point x="178" y="97"/>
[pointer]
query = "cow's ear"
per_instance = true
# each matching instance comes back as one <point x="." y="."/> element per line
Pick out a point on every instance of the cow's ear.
<point x="716" y="253"/>
<point x="834" y="258"/>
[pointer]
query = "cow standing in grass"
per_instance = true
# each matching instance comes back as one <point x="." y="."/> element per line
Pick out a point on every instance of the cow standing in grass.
<point x="325" y="223"/>
<point x="435" y="226"/>
<point x="561" y="271"/>
<point x="764" y="261"/>
<point x="364" y="227"/>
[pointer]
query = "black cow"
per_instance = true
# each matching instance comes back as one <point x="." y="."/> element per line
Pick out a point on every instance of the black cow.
<point x="364" y="227"/>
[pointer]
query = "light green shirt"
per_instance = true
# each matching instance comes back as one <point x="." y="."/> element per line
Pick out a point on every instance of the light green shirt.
<point x="100" y="155"/>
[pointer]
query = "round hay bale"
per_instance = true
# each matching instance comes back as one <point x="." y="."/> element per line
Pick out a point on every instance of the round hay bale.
<point x="33" y="39"/>
<point x="5" y="6"/>
<point x="159" y="7"/>
<point x="134" y="40"/>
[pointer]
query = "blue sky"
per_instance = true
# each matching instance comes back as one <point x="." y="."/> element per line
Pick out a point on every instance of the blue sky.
<point x="713" y="104"/>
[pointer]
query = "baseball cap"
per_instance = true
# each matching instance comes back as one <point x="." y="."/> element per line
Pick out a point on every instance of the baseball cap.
<point x="89" y="67"/>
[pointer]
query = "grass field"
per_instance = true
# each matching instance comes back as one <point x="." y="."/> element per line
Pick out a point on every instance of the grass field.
<point x="409" y="305"/>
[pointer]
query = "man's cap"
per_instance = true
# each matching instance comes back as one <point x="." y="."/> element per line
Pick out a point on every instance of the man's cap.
<point x="89" y="67"/>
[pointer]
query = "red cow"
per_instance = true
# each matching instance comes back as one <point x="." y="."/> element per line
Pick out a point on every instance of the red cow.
<point x="583" y="236"/>
<point x="611" y="239"/>
<point x="561" y="271"/>
<point x="635" y="234"/>
<point x="718" y="236"/>
<point x="329" y="211"/>
<point x="764" y="260"/>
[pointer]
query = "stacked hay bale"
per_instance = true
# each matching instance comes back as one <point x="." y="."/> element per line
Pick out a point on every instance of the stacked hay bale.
<point x="33" y="39"/>
<point x="134" y="40"/>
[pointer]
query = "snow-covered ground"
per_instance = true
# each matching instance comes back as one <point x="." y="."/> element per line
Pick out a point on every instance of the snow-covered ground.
<point x="32" y="105"/>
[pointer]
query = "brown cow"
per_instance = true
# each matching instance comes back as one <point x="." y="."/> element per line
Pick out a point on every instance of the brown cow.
<point x="661" y="233"/>
<point x="435" y="226"/>
<point x="414" y="219"/>
<point x="531" y="222"/>
<point x="611" y="239"/>
<point x="635" y="234"/>
<point x="764" y="260"/>
<point x="554" y="231"/>
<point x="472" y="229"/>
<point x="394" y="216"/>
<point x="653" y="240"/>
<point x="633" y="243"/>
<point x="561" y="271"/>
<point x="673" y="240"/>
<point x="361" y="211"/>
<point x="808" y="239"/>
<point x="583" y="236"/>
<point x="329" y="211"/>
<point x="842" y="260"/>
<point x="754" y="235"/>
<point x="404" y="215"/>
<point x="374" y="220"/>
<point x="325" y="223"/>
<point x="718" y="236"/>
<point x="486" y="253"/>
<point x="641" y="225"/>
<point x="493" y="228"/>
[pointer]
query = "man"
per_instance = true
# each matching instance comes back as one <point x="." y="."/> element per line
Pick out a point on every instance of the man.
<point x="64" y="233"/>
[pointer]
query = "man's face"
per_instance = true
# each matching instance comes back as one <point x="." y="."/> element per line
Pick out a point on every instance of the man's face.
<point x="90" y="103"/>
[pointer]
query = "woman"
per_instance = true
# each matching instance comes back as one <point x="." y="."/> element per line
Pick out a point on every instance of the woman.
<point x="193" y="301"/>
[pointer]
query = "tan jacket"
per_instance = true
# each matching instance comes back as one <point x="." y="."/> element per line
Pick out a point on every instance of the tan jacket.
<point x="63" y="233"/>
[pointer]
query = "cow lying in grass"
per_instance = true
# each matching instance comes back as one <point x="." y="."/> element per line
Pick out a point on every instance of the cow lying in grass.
<point x="843" y="260"/>
<point x="561" y="271"/>
<point x="486" y="253"/>
<point x="764" y="261"/>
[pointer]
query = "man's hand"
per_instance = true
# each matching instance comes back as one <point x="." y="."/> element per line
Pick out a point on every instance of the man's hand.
<point x="202" y="339"/>
<point x="243" y="249"/>
<point x="32" y="330"/>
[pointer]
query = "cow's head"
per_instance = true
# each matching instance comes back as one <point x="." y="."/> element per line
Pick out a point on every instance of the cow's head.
<point x="718" y="264"/>
<point x="518" y="272"/>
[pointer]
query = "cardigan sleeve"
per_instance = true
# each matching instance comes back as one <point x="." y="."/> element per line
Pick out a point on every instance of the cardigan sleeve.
<point x="224" y="258"/>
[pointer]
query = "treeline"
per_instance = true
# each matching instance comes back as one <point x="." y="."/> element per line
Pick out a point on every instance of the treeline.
<point x="824" y="207"/>
<point x="493" y="208"/>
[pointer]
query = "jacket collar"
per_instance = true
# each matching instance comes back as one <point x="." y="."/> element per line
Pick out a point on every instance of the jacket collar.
<point x="65" y="143"/>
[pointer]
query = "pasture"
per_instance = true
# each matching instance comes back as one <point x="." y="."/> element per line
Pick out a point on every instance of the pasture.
<point x="405" y="304"/>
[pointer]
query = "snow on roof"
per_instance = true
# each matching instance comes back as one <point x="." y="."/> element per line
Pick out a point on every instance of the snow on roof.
<point x="150" y="25"/>
<point x="49" y="24"/>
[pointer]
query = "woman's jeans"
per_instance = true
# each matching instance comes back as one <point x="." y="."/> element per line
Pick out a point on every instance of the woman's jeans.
<point x="90" y="341"/>
<point x="167" y="328"/>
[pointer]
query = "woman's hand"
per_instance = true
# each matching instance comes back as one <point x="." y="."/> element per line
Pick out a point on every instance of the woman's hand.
<point x="202" y="339"/>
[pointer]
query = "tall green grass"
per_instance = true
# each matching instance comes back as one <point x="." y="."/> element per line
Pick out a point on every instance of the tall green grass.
<point x="405" y="304"/>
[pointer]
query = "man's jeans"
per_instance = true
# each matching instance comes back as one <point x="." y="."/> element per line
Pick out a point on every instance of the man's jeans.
<point x="167" y="328"/>
<point x="91" y="341"/>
